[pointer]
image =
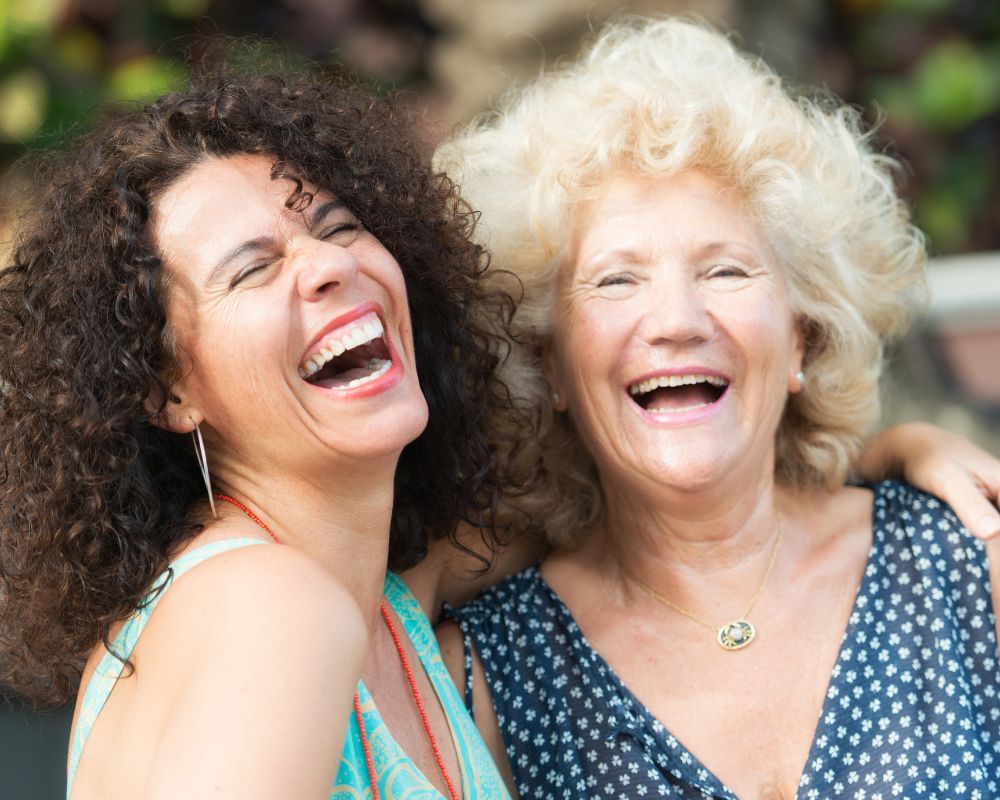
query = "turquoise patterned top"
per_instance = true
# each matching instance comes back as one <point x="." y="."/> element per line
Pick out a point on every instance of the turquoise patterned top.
<point x="398" y="777"/>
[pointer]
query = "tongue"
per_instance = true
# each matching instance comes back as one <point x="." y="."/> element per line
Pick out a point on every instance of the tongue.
<point x="344" y="378"/>
<point x="679" y="397"/>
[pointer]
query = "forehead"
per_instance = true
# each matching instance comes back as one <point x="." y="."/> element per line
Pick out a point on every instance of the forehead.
<point x="664" y="211"/>
<point x="219" y="203"/>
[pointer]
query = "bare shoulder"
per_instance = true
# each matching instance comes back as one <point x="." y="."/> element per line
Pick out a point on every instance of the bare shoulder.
<point x="455" y="575"/>
<point x="831" y="518"/>
<point x="254" y="591"/>
<point x="260" y="638"/>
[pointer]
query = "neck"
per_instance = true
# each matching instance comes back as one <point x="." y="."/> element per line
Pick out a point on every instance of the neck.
<point x="704" y="551"/>
<point x="342" y="521"/>
<point x="719" y="525"/>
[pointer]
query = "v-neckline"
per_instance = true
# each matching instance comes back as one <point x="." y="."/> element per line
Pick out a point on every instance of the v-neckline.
<point x="366" y="699"/>
<point x="395" y="588"/>
<point x="688" y="761"/>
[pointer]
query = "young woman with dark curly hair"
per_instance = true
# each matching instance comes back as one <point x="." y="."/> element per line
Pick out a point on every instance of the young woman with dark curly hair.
<point x="266" y="273"/>
<point x="262" y="272"/>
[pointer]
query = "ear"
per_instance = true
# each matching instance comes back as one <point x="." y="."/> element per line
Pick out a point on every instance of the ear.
<point x="550" y="368"/>
<point x="169" y="410"/>
<point x="795" y="384"/>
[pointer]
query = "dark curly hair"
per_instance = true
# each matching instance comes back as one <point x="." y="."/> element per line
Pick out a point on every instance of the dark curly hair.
<point x="93" y="497"/>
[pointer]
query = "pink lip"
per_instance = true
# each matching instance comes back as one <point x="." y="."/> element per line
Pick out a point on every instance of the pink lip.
<point x="343" y="319"/>
<point x="679" y="419"/>
<point x="386" y="381"/>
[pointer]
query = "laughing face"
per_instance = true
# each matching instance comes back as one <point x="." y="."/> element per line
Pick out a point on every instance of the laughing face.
<point x="293" y="328"/>
<point x="674" y="346"/>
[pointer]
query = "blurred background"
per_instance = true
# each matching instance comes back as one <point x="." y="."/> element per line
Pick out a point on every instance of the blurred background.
<point x="927" y="71"/>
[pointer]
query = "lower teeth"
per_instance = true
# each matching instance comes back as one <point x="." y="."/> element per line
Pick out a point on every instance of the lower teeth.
<point x="667" y="411"/>
<point x="380" y="367"/>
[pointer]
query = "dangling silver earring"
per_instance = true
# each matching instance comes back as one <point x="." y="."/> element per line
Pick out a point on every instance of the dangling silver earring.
<point x="199" y="454"/>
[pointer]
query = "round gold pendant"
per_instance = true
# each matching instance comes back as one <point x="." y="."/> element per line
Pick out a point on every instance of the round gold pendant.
<point x="736" y="635"/>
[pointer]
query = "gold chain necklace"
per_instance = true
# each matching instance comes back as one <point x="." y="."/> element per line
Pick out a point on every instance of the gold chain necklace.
<point x="734" y="635"/>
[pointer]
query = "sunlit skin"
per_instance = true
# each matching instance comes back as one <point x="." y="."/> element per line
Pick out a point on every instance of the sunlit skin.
<point x="268" y="304"/>
<point x="280" y="635"/>
<point x="671" y="276"/>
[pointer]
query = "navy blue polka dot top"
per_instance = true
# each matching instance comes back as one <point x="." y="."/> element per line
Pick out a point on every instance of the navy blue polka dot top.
<point x="912" y="709"/>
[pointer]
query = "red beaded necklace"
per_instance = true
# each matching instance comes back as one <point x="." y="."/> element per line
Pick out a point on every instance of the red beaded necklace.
<point x="403" y="660"/>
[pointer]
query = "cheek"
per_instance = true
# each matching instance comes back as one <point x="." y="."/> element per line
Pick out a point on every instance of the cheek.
<point x="590" y="339"/>
<point x="238" y="349"/>
<point x="761" y="325"/>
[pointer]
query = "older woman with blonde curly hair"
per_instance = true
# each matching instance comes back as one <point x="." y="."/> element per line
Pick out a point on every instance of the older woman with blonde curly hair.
<point x="712" y="268"/>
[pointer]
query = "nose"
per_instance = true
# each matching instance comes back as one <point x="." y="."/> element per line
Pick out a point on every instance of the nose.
<point x="675" y="312"/>
<point x="322" y="267"/>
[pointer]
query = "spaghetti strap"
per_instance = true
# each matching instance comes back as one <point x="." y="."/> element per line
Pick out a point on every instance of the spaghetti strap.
<point x="111" y="665"/>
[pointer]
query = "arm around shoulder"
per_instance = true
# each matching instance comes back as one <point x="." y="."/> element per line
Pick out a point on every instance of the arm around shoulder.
<point x="265" y="689"/>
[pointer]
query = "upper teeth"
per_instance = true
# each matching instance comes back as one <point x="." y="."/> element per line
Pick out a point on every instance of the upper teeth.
<point x="669" y="381"/>
<point x="361" y="331"/>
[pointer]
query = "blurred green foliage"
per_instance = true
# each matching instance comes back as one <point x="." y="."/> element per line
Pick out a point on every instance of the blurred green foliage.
<point x="61" y="59"/>
<point x="58" y="62"/>
<point x="933" y="67"/>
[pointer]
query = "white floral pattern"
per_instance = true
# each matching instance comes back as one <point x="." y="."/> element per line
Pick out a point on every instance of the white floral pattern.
<point x="912" y="708"/>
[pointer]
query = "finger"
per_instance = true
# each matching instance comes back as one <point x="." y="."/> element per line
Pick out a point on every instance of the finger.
<point x="975" y="510"/>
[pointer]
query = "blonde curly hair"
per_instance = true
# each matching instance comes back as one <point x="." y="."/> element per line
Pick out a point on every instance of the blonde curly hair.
<point x="660" y="97"/>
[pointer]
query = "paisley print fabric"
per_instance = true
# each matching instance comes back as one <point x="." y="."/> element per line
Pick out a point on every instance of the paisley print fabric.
<point x="398" y="777"/>
<point x="912" y="708"/>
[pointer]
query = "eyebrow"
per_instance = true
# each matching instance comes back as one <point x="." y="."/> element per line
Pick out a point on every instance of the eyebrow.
<point x="324" y="211"/>
<point x="264" y="242"/>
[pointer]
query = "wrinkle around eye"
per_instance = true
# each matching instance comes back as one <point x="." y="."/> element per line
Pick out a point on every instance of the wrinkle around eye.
<point x="248" y="272"/>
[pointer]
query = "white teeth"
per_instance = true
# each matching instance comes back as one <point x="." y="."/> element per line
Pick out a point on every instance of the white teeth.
<point x="380" y="365"/>
<point x="666" y="412"/>
<point x="362" y="331"/>
<point x="670" y="381"/>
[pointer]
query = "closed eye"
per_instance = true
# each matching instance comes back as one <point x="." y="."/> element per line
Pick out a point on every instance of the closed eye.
<point x="245" y="273"/>
<point x="618" y="279"/>
<point x="728" y="271"/>
<point x="341" y="228"/>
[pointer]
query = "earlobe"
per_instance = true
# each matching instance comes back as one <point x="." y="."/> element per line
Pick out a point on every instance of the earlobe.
<point x="171" y="414"/>
<point x="797" y="377"/>
<point x="797" y="382"/>
<point x="557" y="395"/>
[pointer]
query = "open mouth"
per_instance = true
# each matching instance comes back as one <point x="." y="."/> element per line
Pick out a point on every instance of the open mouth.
<point x="675" y="394"/>
<point x="351" y="356"/>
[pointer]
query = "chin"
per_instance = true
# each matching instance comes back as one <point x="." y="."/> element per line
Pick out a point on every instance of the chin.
<point x="692" y="475"/>
<point x="389" y="432"/>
